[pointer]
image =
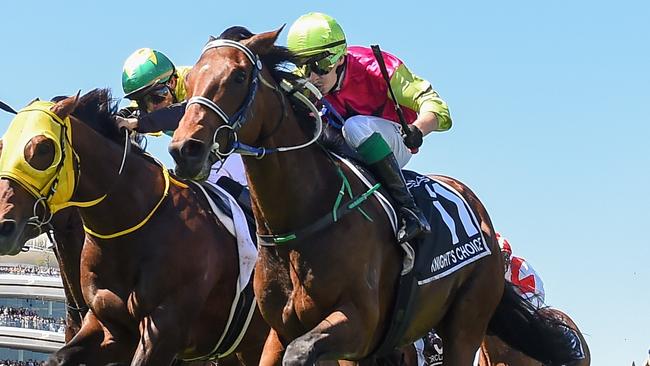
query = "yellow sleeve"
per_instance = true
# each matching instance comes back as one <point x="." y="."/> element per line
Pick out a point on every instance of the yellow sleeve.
<point x="415" y="93"/>
<point x="180" y="91"/>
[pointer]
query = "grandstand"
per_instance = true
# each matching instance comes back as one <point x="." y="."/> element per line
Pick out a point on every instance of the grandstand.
<point x="32" y="304"/>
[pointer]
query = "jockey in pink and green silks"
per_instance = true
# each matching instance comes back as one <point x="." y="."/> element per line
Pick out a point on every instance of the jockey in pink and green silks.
<point x="352" y="83"/>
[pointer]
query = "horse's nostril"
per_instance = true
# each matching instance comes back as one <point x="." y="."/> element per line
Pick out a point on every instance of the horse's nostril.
<point x="7" y="227"/>
<point x="192" y="149"/>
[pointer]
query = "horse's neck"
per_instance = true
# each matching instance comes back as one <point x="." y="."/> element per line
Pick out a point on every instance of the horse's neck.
<point x="291" y="189"/>
<point x="130" y="195"/>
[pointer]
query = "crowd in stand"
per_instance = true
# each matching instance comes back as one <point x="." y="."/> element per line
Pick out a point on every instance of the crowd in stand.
<point x="25" y="318"/>
<point x="29" y="362"/>
<point x="31" y="270"/>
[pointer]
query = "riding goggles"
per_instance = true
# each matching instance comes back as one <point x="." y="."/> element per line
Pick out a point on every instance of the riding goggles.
<point x="157" y="95"/>
<point x="320" y="65"/>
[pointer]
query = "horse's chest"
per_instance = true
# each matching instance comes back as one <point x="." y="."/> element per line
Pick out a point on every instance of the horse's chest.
<point x="288" y="295"/>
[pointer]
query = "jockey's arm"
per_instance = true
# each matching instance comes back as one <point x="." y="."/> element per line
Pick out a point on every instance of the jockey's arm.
<point x="164" y="119"/>
<point x="417" y="94"/>
<point x="427" y="122"/>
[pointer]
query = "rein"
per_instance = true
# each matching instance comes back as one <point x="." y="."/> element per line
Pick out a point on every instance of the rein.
<point x="168" y="179"/>
<point x="36" y="221"/>
<point x="69" y="163"/>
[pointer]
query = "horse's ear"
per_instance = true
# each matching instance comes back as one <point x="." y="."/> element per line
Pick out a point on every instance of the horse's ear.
<point x="262" y="43"/>
<point x="212" y="38"/>
<point x="33" y="100"/>
<point x="65" y="107"/>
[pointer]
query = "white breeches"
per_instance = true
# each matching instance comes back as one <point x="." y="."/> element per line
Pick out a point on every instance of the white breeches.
<point x="357" y="129"/>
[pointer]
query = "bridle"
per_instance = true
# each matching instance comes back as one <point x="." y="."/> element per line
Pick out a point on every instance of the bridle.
<point x="69" y="162"/>
<point x="238" y="119"/>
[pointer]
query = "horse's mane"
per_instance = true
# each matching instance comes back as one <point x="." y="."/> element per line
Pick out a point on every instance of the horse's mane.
<point x="97" y="109"/>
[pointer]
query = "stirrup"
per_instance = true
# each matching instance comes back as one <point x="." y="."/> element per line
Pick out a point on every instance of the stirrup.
<point x="417" y="226"/>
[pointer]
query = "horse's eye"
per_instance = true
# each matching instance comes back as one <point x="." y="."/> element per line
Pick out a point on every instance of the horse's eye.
<point x="39" y="152"/>
<point x="240" y="77"/>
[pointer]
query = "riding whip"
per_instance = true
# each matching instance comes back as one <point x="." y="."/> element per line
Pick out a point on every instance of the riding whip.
<point x="382" y="66"/>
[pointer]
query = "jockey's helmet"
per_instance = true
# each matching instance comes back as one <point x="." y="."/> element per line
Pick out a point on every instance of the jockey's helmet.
<point x="317" y="37"/>
<point x="144" y="69"/>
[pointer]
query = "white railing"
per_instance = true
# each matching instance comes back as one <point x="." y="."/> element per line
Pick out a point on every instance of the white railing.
<point x="31" y="287"/>
<point x="31" y="339"/>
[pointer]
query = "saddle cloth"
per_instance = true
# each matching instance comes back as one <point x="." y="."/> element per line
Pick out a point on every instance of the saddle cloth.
<point x="456" y="239"/>
<point x="229" y="212"/>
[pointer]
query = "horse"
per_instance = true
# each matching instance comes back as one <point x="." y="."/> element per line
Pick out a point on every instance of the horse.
<point x="495" y="352"/>
<point x="328" y="289"/>
<point x="158" y="272"/>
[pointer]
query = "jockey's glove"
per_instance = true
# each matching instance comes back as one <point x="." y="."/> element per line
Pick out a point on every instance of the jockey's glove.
<point x="128" y="112"/>
<point x="413" y="137"/>
<point x="128" y="123"/>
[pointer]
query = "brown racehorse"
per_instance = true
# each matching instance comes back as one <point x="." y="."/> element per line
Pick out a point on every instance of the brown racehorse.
<point x="162" y="289"/>
<point x="329" y="295"/>
<point x="494" y="352"/>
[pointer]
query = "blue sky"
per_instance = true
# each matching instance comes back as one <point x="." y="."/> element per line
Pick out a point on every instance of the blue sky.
<point x="549" y="101"/>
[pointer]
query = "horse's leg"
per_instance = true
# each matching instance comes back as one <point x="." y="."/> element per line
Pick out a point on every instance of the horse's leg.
<point x="273" y="350"/>
<point x="89" y="347"/>
<point x="339" y="336"/>
<point x="161" y="333"/>
<point x="463" y="328"/>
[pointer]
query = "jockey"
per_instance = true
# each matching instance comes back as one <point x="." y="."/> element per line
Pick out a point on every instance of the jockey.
<point x="521" y="274"/>
<point x="155" y="87"/>
<point x="351" y="81"/>
<point x="151" y="81"/>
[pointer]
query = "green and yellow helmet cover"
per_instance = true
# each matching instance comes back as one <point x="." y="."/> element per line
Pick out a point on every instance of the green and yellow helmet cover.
<point x="316" y="33"/>
<point x="143" y="69"/>
<point x="31" y="121"/>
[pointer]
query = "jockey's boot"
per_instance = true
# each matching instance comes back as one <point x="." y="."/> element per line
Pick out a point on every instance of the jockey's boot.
<point x="413" y="222"/>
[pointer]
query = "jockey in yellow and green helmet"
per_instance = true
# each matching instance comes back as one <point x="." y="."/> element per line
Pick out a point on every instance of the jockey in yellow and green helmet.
<point x="157" y="91"/>
<point x="152" y="82"/>
<point x="351" y="81"/>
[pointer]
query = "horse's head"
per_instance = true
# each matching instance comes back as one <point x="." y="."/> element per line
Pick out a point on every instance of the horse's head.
<point x="36" y="170"/>
<point x="226" y="88"/>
